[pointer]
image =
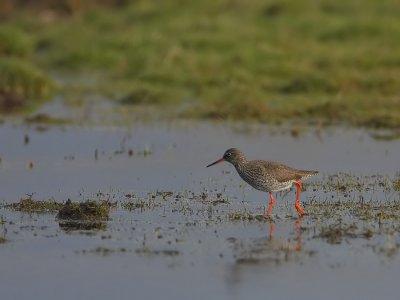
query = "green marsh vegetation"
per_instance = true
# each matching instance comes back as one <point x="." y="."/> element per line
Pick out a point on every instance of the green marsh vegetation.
<point x="23" y="85"/>
<point x="88" y="210"/>
<point x="267" y="61"/>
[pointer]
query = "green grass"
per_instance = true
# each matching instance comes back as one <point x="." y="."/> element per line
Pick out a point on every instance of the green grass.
<point x="313" y="61"/>
<point x="22" y="79"/>
<point x="15" y="42"/>
<point x="23" y="85"/>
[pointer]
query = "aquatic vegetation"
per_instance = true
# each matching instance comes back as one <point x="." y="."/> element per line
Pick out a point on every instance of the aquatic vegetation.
<point x="85" y="211"/>
<point x="349" y="183"/>
<point x="35" y="206"/>
<point x="396" y="185"/>
<point x="147" y="251"/>
<point x="104" y="251"/>
<point x="245" y="216"/>
<point x="46" y="119"/>
<point x="100" y="251"/>
<point x="141" y="203"/>
<point x="361" y="209"/>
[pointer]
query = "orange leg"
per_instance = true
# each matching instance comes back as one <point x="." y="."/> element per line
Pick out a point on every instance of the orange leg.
<point x="271" y="204"/>
<point x="298" y="246"/>
<point x="297" y="205"/>
<point x="271" y="230"/>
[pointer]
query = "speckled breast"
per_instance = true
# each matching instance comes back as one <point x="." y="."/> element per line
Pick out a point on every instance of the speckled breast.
<point x="263" y="182"/>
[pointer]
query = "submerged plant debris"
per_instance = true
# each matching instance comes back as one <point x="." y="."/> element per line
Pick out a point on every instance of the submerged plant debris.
<point x="76" y="225"/>
<point x="104" y="251"/>
<point x="335" y="233"/>
<point x="268" y="251"/>
<point x="245" y="216"/>
<point x="148" y="251"/>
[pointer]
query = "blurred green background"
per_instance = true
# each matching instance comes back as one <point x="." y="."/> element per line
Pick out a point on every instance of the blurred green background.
<point x="310" y="61"/>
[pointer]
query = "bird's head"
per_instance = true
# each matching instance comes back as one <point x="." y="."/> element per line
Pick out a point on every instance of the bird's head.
<point x="232" y="155"/>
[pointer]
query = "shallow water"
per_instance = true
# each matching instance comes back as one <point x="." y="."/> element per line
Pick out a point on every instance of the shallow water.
<point x="185" y="246"/>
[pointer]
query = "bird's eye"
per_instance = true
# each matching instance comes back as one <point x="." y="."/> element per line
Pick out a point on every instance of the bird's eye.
<point x="228" y="154"/>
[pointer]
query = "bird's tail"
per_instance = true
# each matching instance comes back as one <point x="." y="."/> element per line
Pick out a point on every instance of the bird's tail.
<point x="307" y="173"/>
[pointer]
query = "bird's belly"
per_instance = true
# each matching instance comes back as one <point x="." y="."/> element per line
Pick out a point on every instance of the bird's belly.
<point x="266" y="185"/>
<point x="275" y="187"/>
<point x="282" y="186"/>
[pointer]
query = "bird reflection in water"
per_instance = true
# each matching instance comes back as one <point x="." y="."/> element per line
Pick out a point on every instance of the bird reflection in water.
<point x="264" y="252"/>
<point x="270" y="249"/>
<point x="297" y="246"/>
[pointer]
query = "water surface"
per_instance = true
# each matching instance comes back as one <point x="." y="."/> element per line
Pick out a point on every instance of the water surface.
<point x="186" y="246"/>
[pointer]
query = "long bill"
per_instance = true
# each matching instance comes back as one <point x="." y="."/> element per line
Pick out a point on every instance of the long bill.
<point x="216" y="162"/>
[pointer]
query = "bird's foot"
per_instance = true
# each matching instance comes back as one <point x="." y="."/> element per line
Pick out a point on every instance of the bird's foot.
<point x="268" y="217"/>
<point x="300" y="209"/>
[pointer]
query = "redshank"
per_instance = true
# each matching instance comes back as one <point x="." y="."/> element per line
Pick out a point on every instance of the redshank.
<point x="266" y="176"/>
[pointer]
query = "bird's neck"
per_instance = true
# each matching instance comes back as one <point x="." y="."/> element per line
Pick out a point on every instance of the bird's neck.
<point x="239" y="164"/>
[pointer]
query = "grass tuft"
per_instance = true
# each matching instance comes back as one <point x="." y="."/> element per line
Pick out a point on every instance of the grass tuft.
<point x="34" y="206"/>
<point x="22" y="85"/>
<point x="84" y="211"/>
<point x="14" y="42"/>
